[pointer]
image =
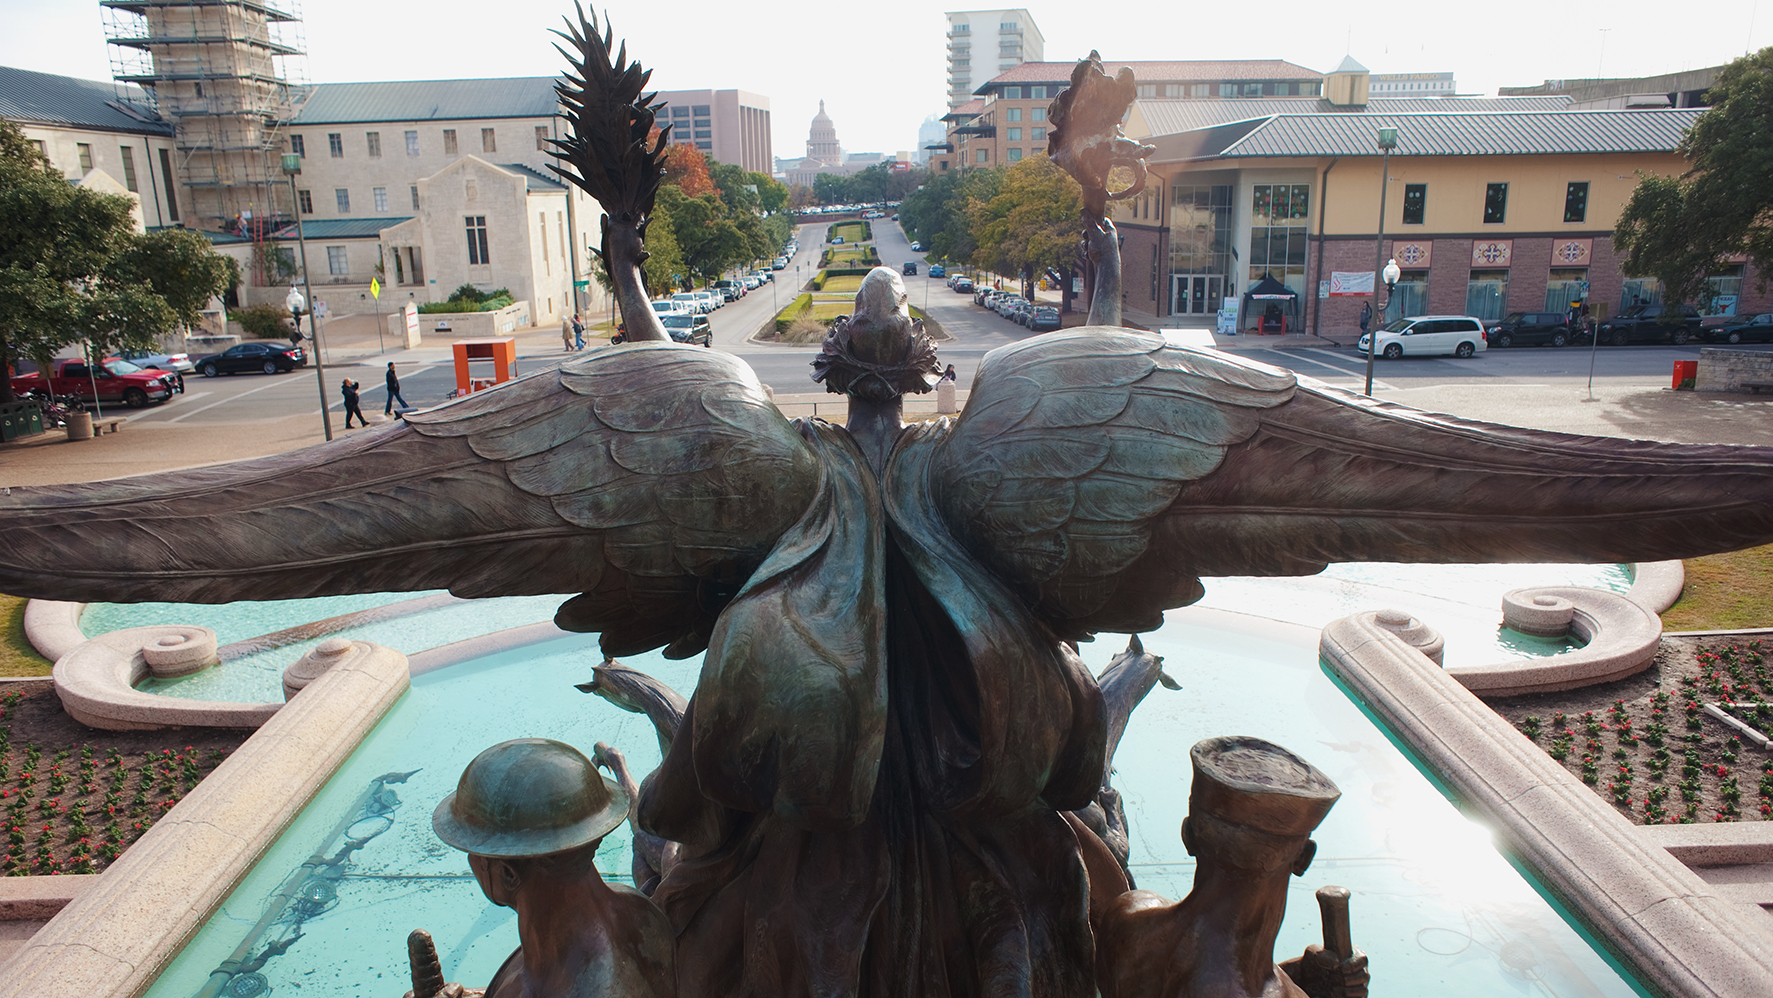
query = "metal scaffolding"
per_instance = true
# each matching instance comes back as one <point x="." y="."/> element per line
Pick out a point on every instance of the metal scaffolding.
<point x="228" y="74"/>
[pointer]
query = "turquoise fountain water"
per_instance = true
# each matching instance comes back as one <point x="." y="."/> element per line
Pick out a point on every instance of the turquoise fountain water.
<point x="1435" y="906"/>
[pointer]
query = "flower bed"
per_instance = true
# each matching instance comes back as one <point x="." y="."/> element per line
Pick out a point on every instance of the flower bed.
<point x="1648" y="745"/>
<point x="74" y="798"/>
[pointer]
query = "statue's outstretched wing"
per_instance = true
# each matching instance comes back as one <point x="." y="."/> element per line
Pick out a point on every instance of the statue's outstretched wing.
<point x="1103" y="473"/>
<point x="652" y="480"/>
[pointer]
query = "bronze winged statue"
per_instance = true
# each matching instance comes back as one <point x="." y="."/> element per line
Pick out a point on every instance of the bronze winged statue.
<point x="869" y="782"/>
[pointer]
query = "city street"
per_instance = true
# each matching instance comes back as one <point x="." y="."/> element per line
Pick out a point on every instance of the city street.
<point x="973" y="332"/>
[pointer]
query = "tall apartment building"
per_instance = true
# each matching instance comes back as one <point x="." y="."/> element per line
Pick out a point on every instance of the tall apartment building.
<point x="219" y="70"/>
<point x="984" y="43"/>
<point x="731" y="126"/>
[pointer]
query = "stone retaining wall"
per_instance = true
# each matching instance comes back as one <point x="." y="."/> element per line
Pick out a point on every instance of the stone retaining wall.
<point x="1722" y="370"/>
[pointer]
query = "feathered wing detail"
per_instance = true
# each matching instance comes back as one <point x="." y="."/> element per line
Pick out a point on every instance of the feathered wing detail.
<point x="607" y="155"/>
<point x="1102" y="474"/>
<point x="1071" y="448"/>
<point x="652" y="480"/>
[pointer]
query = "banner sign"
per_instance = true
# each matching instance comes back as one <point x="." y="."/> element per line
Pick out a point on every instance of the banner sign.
<point x="1350" y="282"/>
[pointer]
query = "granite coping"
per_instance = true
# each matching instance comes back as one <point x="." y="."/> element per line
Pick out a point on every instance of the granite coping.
<point x="1681" y="936"/>
<point x="115" y="937"/>
<point x="40" y="898"/>
<point x="96" y="683"/>
<point x="1620" y="638"/>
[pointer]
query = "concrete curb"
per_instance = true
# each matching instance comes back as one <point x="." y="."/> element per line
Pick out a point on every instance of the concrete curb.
<point x="1679" y="935"/>
<point x="116" y="937"/>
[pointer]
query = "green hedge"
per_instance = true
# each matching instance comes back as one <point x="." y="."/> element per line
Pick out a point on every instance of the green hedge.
<point x="490" y="305"/>
<point x="800" y="306"/>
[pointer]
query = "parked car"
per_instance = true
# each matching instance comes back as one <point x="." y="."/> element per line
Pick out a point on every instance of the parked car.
<point x="752" y="282"/>
<point x="780" y="263"/>
<point x="1675" y="324"/>
<point x="1422" y="335"/>
<point x="668" y="306"/>
<point x="692" y="329"/>
<point x="1006" y="305"/>
<point x="713" y="298"/>
<point x="1521" y="328"/>
<point x="1044" y="318"/>
<point x="731" y="290"/>
<point x="271" y="358"/>
<point x="114" y="380"/>
<point x="910" y="268"/>
<point x="837" y="240"/>
<point x="1758" y="329"/>
<point x="964" y="286"/>
<point x="180" y="362"/>
<point x="691" y="301"/>
<point x="916" y="247"/>
<point x="936" y="269"/>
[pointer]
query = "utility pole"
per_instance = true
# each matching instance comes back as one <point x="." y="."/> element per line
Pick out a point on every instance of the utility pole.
<point x="1387" y="142"/>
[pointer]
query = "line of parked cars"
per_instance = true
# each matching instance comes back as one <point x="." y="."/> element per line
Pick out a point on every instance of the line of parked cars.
<point x="1010" y="305"/>
<point x="1676" y="324"/>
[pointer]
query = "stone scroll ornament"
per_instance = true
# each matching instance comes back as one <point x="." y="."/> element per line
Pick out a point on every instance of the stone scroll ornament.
<point x="869" y="786"/>
<point x="1086" y="142"/>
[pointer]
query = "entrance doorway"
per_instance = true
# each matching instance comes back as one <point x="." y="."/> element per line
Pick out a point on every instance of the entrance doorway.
<point x="1197" y="295"/>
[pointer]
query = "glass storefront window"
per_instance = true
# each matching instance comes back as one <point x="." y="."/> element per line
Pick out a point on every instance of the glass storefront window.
<point x="1565" y="285"/>
<point x="1410" y="297"/>
<point x="1486" y="294"/>
<point x="1640" y="291"/>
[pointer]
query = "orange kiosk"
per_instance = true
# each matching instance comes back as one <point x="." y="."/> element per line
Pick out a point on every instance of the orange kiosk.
<point x="500" y="352"/>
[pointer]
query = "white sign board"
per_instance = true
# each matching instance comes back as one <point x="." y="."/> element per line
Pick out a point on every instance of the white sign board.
<point x="1347" y="282"/>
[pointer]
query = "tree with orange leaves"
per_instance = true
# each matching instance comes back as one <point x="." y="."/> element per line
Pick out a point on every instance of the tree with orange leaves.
<point x="685" y="166"/>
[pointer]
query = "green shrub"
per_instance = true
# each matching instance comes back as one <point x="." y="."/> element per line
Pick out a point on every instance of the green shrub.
<point x="822" y="276"/>
<point x="490" y="305"/>
<point x="262" y="322"/>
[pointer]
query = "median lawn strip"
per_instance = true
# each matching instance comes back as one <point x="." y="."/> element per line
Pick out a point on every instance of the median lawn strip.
<point x="1725" y="592"/>
<point x="850" y="232"/>
<point x="17" y="657"/>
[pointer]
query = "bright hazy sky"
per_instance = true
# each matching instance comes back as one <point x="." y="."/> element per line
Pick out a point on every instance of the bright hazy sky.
<point x="881" y="69"/>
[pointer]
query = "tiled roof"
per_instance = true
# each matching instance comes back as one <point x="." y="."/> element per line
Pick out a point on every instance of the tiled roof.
<point x="1525" y="133"/>
<point x="340" y="228"/>
<point x="968" y="110"/>
<point x="429" y="100"/>
<point x="1159" y="72"/>
<point x="1166" y="117"/>
<point x="63" y="100"/>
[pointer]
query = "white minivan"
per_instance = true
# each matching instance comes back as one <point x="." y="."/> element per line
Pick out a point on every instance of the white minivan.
<point x="1423" y="335"/>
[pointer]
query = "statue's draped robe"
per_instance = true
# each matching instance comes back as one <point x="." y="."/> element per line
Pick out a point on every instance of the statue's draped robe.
<point x="867" y="778"/>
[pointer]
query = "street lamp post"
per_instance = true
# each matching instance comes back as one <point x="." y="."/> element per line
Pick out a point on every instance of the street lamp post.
<point x="292" y="165"/>
<point x="1387" y="142"/>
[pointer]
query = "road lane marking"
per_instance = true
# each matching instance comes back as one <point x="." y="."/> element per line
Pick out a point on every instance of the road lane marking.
<point x="225" y="401"/>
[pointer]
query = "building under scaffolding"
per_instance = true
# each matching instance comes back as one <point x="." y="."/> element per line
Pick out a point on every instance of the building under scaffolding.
<point x="228" y="74"/>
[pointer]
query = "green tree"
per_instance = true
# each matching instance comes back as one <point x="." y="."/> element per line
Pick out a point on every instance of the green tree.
<point x="1681" y="230"/>
<point x="1032" y="222"/>
<point x="73" y="268"/>
<point x="708" y="240"/>
<point x="770" y="191"/>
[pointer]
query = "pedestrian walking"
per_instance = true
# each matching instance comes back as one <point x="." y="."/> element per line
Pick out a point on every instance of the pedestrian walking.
<point x="578" y="333"/>
<point x="1366" y="316"/>
<point x="566" y="332"/>
<point x="394" y="391"/>
<point x="352" y="407"/>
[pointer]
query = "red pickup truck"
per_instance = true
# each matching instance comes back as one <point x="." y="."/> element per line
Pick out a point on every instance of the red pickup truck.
<point x="116" y="381"/>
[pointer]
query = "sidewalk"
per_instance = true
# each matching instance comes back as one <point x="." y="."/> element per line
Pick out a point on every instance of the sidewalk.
<point x="349" y="342"/>
<point x="1643" y="411"/>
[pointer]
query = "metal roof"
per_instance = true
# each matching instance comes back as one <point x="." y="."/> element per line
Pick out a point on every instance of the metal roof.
<point x="538" y="181"/>
<point x="1529" y="133"/>
<point x="340" y="228"/>
<point x="1171" y="115"/>
<point x="45" y="98"/>
<point x="1159" y="72"/>
<point x="429" y="100"/>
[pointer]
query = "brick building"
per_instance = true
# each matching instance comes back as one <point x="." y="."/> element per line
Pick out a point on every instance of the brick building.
<point x="1493" y="205"/>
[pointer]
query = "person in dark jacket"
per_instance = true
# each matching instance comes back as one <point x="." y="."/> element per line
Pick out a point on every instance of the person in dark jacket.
<point x="394" y="392"/>
<point x="352" y="407"/>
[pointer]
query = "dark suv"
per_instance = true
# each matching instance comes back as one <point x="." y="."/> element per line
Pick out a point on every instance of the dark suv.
<point x="1675" y="324"/>
<point x="1520" y="328"/>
